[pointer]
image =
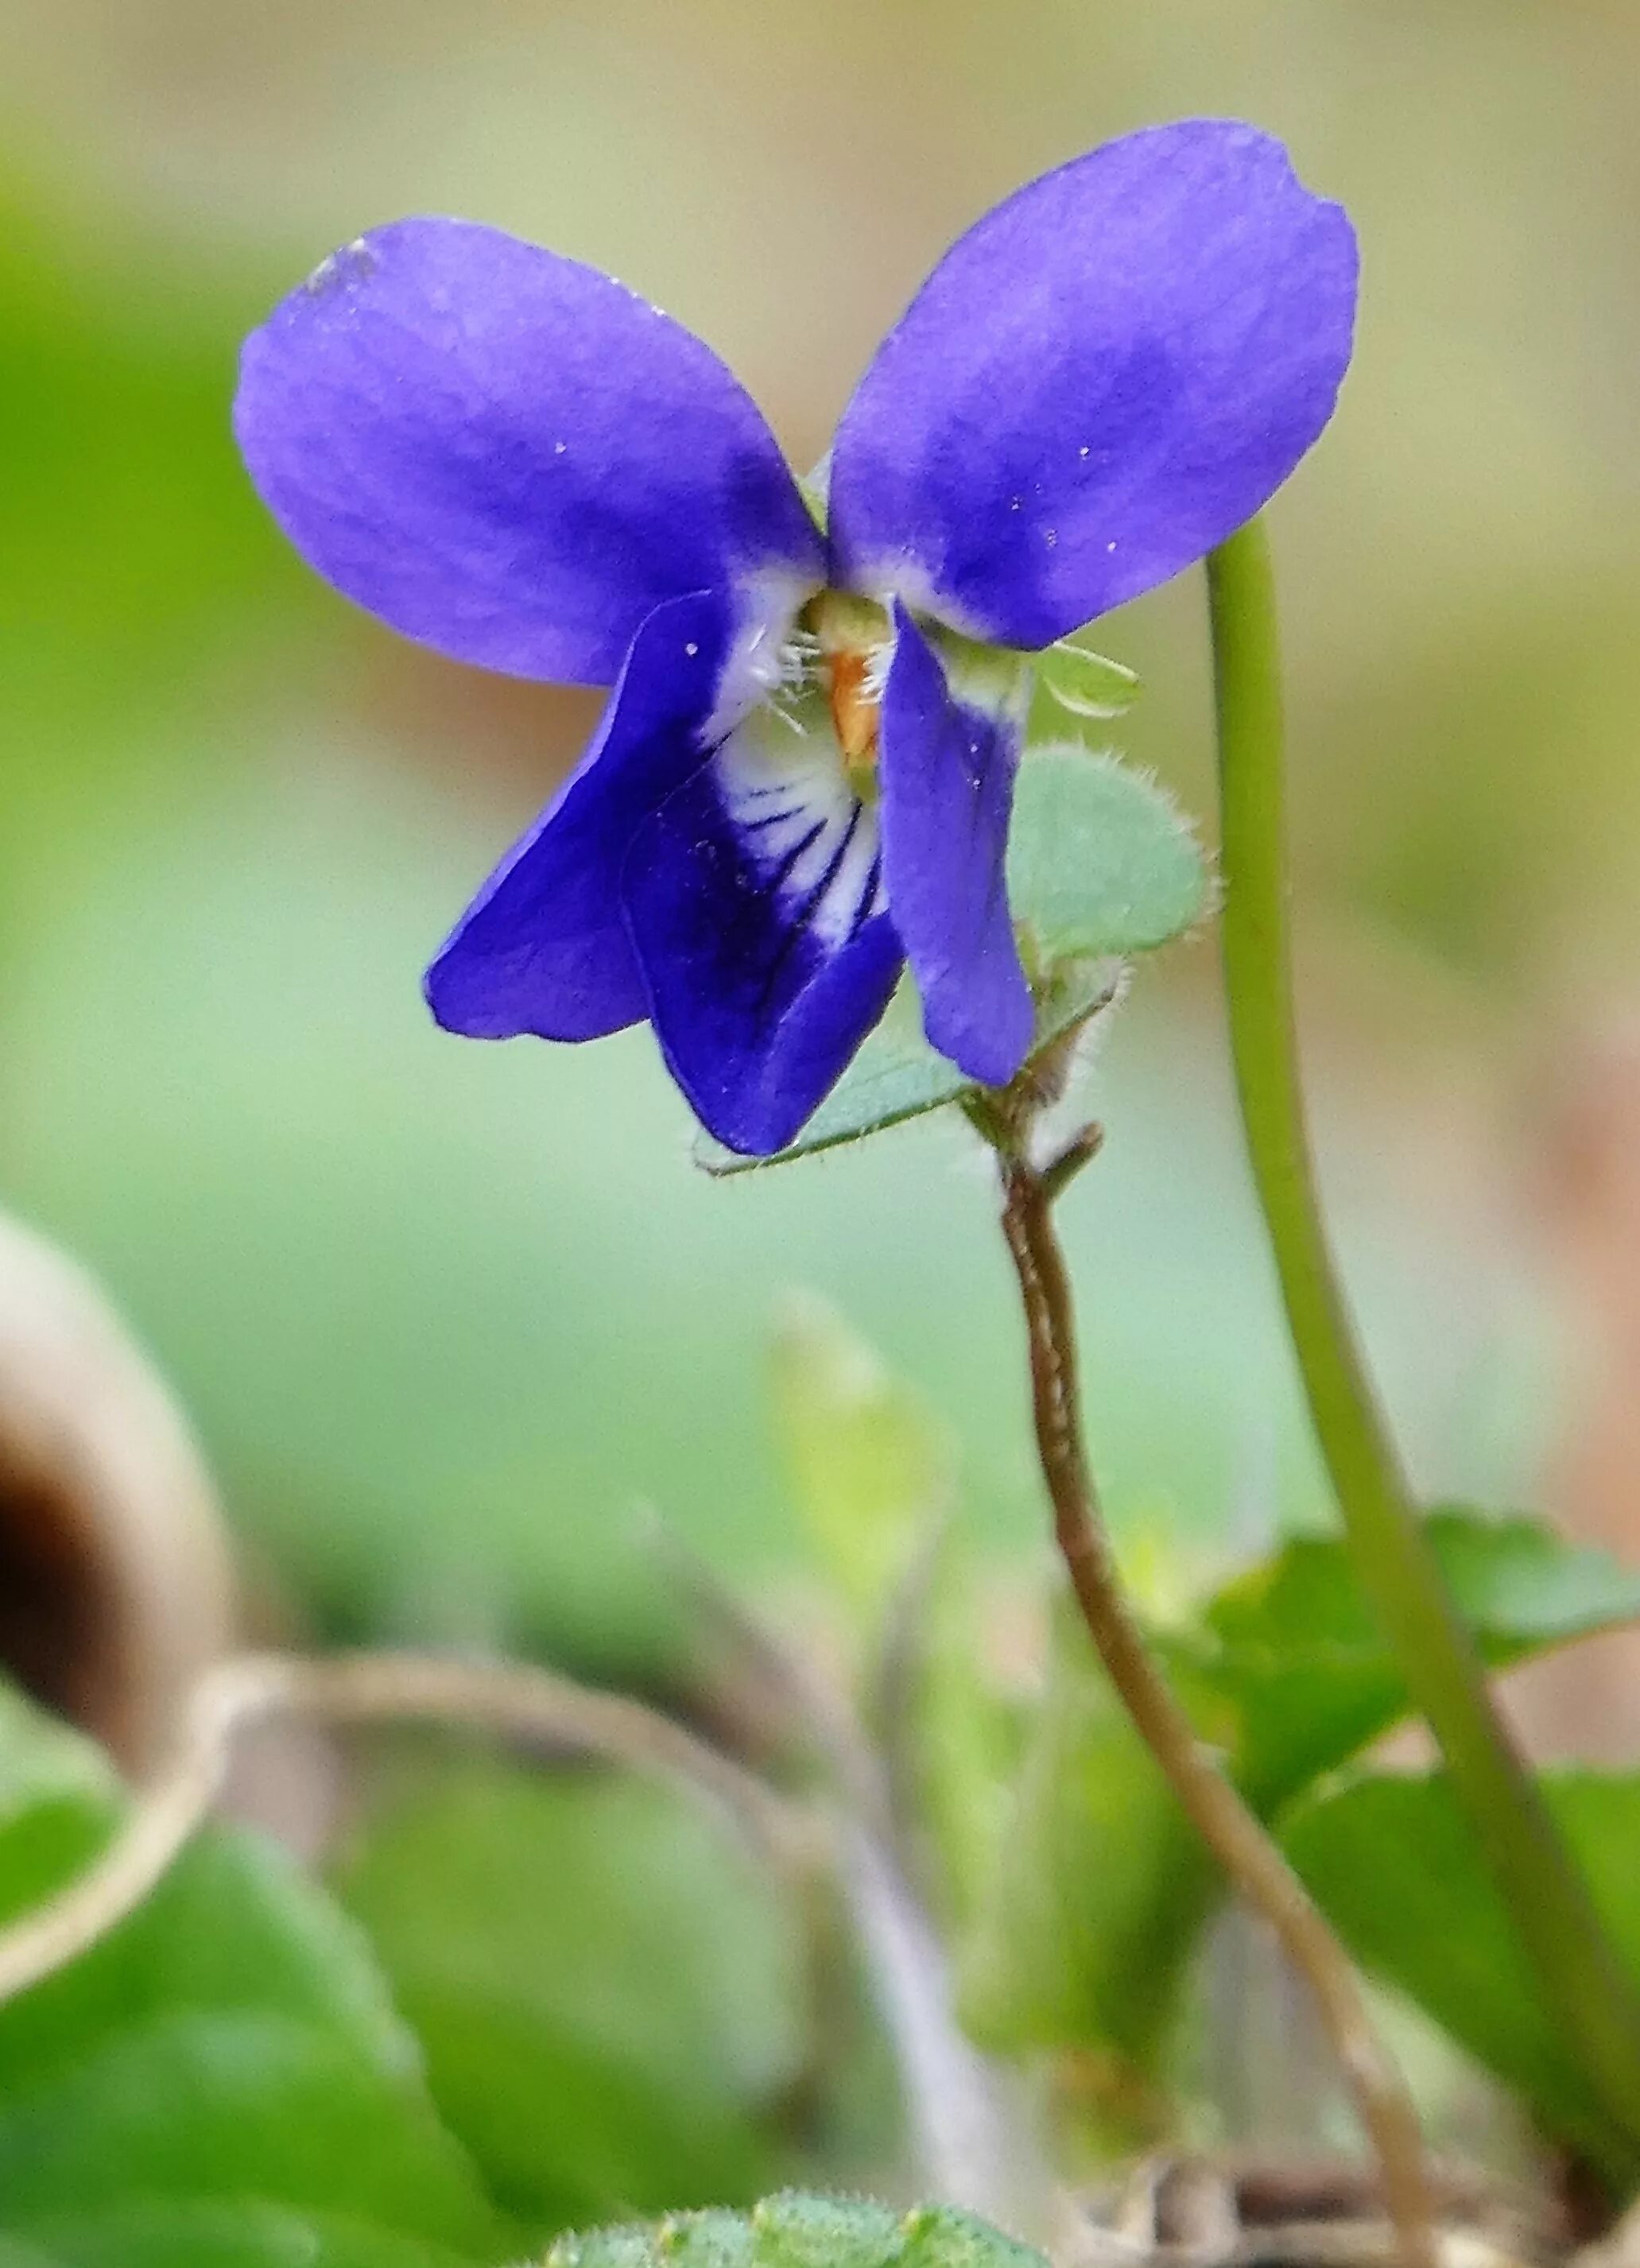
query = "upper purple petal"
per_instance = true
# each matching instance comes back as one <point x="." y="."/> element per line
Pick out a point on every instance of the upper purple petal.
<point x="1102" y="380"/>
<point x="544" y="946"/>
<point x="948" y="771"/>
<point x="506" y="454"/>
<point x="755" y="900"/>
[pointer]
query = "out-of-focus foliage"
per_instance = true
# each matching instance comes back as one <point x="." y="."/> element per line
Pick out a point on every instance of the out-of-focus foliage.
<point x="1099" y="1888"/>
<point x="611" y="1995"/>
<point x="228" y="2061"/>
<point x="572" y="1995"/>
<point x="875" y="1487"/>
<point x="866" y="1471"/>
<point x="1077" y="1897"/>
<point x="244" y="2234"/>
<point x="1396" y="1867"/>
<point x="562" y="1995"/>
<point x="1098" y="1892"/>
<point x="1291" y="1671"/>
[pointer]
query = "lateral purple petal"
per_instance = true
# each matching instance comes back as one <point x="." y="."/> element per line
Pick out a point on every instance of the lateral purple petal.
<point x="947" y="772"/>
<point x="506" y="454"/>
<point x="756" y="914"/>
<point x="1102" y="380"/>
<point x="544" y="946"/>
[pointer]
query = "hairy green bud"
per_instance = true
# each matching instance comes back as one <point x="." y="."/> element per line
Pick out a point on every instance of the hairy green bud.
<point x="794" y="2230"/>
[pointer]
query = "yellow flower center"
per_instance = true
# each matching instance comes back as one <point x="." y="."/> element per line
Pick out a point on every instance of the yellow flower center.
<point x="854" y="641"/>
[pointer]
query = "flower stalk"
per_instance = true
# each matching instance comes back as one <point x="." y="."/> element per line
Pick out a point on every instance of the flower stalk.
<point x="1584" y="1983"/>
<point x="1250" y="1859"/>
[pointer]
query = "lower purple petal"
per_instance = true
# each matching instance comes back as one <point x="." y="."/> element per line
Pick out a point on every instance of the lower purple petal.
<point x="947" y="773"/>
<point x="766" y="956"/>
<point x="544" y="946"/>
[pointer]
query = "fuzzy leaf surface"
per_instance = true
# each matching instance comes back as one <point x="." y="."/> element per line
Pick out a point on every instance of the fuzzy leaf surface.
<point x="796" y="2230"/>
<point x="1099" y="860"/>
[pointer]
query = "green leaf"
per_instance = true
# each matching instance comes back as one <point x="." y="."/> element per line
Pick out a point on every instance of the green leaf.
<point x="230" y="2046"/>
<point x="605" y="1984"/>
<point x="1295" y="1677"/>
<point x="959" y="1745"/>
<point x="800" y="2231"/>
<point x="1099" y="1882"/>
<point x="1099" y="1893"/>
<point x="1098" y="859"/>
<point x="244" y="2234"/>
<point x="864" y="1464"/>
<point x="1086" y="683"/>
<point x="897" y="1075"/>
<point x="1398" y="1871"/>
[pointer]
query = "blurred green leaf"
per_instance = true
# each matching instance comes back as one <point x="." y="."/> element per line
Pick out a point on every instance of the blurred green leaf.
<point x="1086" y="683"/>
<point x="244" y="2234"/>
<point x="897" y="1075"/>
<point x="865" y="1466"/>
<point x="956" y="1755"/>
<point x="606" y="1988"/>
<point x="1099" y="1882"/>
<point x="1099" y="860"/>
<point x="1295" y="1676"/>
<point x="1397" y="1869"/>
<point x="1099" y="1893"/>
<point x="231" y="2044"/>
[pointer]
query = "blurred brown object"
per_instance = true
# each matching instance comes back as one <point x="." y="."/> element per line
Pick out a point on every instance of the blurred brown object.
<point x="1586" y="1704"/>
<point x="1189" y="2211"/>
<point x="115" y="1581"/>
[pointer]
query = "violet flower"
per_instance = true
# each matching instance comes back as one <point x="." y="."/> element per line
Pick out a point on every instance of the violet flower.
<point x="805" y="771"/>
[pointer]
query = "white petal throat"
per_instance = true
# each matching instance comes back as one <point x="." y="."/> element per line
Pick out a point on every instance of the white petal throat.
<point x="807" y="837"/>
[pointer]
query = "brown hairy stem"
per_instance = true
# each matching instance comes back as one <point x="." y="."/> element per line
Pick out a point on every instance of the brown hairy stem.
<point x="1251" y="1859"/>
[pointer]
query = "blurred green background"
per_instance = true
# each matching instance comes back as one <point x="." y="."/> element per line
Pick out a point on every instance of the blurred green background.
<point x="456" y="1320"/>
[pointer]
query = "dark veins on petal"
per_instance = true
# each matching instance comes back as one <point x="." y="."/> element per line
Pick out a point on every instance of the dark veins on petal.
<point x="761" y="982"/>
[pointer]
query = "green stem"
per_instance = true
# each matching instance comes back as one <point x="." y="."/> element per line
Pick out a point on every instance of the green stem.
<point x="1584" y="1985"/>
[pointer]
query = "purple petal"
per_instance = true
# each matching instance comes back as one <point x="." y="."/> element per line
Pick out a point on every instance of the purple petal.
<point x="544" y="946"/>
<point x="1101" y="380"/>
<point x="754" y="898"/>
<point x="506" y="454"/>
<point x="947" y="773"/>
